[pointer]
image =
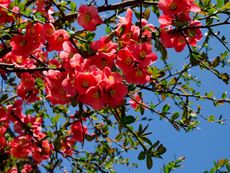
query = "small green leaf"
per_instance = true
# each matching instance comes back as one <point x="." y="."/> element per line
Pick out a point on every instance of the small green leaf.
<point x="220" y="3"/>
<point x="175" y="116"/>
<point x="55" y="119"/>
<point x="73" y="6"/>
<point x="215" y="62"/>
<point x="165" y="108"/>
<point x="211" y="118"/>
<point x="155" y="144"/>
<point x="146" y="13"/>
<point x="206" y="2"/>
<point x="128" y="119"/>
<point x="194" y="59"/>
<point x="225" y="77"/>
<point x="29" y="111"/>
<point x="107" y="29"/>
<point x="119" y="137"/>
<point x="224" y="95"/>
<point x="89" y="137"/>
<point x="149" y="161"/>
<point x="161" y="149"/>
<point x="3" y="98"/>
<point x="226" y="6"/>
<point x="141" y="155"/>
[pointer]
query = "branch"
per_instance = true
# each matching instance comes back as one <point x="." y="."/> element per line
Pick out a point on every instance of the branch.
<point x="106" y="7"/>
<point x="13" y="68"/>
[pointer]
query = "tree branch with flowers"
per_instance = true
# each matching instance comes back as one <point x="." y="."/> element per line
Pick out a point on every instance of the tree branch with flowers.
<point x="73" y="74"/>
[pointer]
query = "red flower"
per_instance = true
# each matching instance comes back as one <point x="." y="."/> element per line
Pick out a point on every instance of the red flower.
<point x="172" y="36"/>
<point x="26" y="89"/>
<point x="172" y="7"/>
<point x="104" y="45"/>
<point x="53" y="87"/>
<point x="48" y="30"/>
<point x="42" y="152"/>
<point x="148" y="29"/>
<point x="79" y="131"/>
<point x="22" y="44"/>
<point x="5" y="3"/>
<point x="102" y="60"/>
<point x="135" y="104"/>
<point x="67" y="146"/>
<point x="143" y="53"/>
<point x="125" y="60"/>
<point x="20" y="147"/>
<point x="137" y="75"/>
<point x="95" y="97"/>
<point x="88" y="17"/>
<point x="26" y="168"/>
<point x="13" y="170"/>
<point x="34" y="31"/>
<point x="68" y="85"/>
<point x="56" y="41"/>
<point x="125" y="22"/>
<point x="116" y="93"/>
<point x="84" y="81"/>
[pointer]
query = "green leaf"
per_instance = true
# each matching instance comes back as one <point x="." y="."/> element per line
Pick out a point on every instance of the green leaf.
<point x="119" y="137"/>
<point x="141" y="155"/>
<point x="107" y="29"/>
<point x="55" y="119"/>
<point x="165" y="108"/>
<point x="155" y="10"/>
<point x="175" y="116"/>
<point x="225" y="77"/>
<point x="3" y="98"/>
<point x="146" y="13"/>
<point x="29" y="111"/>
<point x="194" y="59"/>
<point x="215" y="62"/>
<point x="226" y="6"/>
<point x="149" y="161"/>
<point x="128" y="119"/>
<point x="161" y="149"/>
<point x="211" y="118"/>
<point x="155" y="144"/>
<point x="220" y="3"/>
<point x="90" y="36"/>
<point x="73" y="6"/>
<point x="89" y="137"/>
<point x="206" y="2"/>
<point x="224" y="95"/>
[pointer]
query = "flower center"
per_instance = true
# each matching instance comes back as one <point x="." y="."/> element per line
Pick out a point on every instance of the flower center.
<point x="103" y="63"/>
<point x="173" y="6"/>
<point x="142" y="54"/>
<point x="60" y="38"/>
<point x="139" y="73"/>
<point x="85" y="84"/>
<point x="128" y="60"/>
<point x="96" y="95"/>
<point x="23" y="43"/>
<point x="87" y="18"/>
<point x="112" y="93"/>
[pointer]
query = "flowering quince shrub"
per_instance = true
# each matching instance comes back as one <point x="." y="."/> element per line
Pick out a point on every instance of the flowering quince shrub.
<point x="72" y="73"/>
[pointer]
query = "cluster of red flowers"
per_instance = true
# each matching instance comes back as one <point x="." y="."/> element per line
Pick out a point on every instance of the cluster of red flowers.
<point x="4" y="16"/>
<point x="134" y="57"/>
<point x="98" y="80"/>
<point x="75" y="134"/>
<point x="177" y="28"/>
<point x="26" y="143"/>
